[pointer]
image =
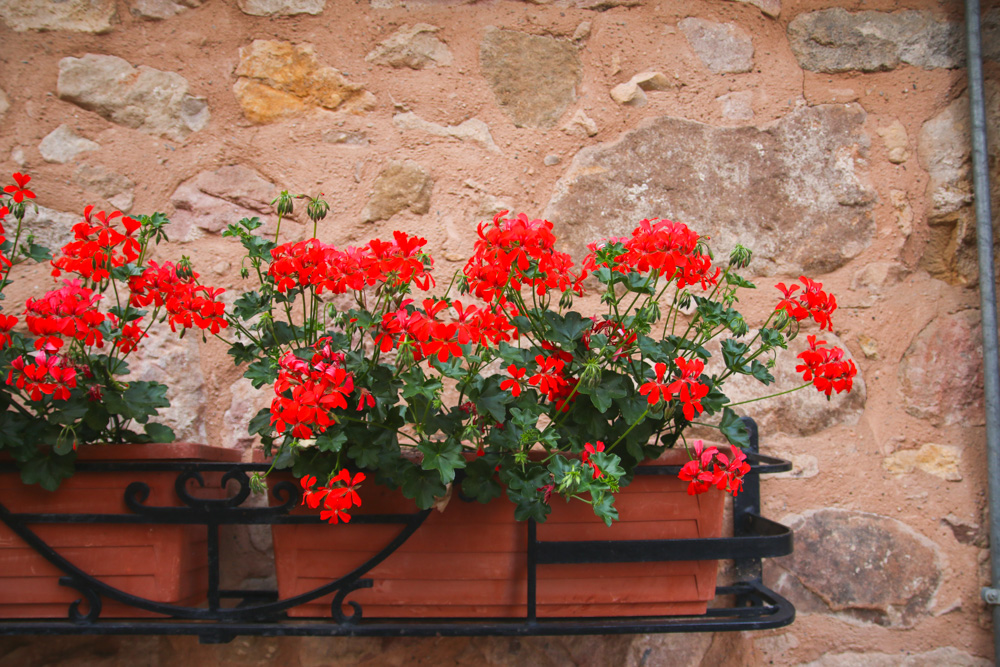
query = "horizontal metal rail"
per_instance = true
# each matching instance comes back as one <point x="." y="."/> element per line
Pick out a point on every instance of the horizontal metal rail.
<point x="745" y="605"/>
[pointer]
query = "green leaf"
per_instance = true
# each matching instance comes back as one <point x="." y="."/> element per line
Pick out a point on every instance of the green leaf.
<point x="249" y="304"/>
<point x="445" y="457"/>
<point x="480" y="483"/>
<point x="331" y="440"/>
<point x="242" y="353"/>
<point x="734" y="429"/>
<point x="493" y="400"/>
<point x="732" y="353"/>
<point x="48" y="470"/>
<point x="262" y="372"/>
<point x="159" y="432"/>
<point x="36" y="252"/>
<point x="261" y="422"/>
<point x="568" y="328"/>
<point x="424" y="486"/>
<point x="604" y="507"/>
<point x="364" y="454"/>
<point x="759" y="371"/>
<point x="139" y="402"/>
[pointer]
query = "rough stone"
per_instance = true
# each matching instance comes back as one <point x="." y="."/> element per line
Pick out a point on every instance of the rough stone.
<point x="804" y="412"/>
<point x="737" y="106"/>
<point x="900" y="201"/>
<point x="862" y="565"/>
<point x="896" y="141"/>
<point x="945" y="152"/>
<point x="245" y="404"/>
<point x="724" y="48"/>
<point x="142" y="98"/>
<point x="52" y="229"/>
<point x="967" y="532"/>
<point x="4" y="104"/>
<point x="533" y="78"/>
<point x="835" y="40"/>
<point x="770" y="7"/>
<point x="473" y="130"/>
<point x="804" y="466"/>
<point x="415" y="47"/>
<point x="938" y="460"/>
<point x="214" y="199"/>
<point x="582" y="31"/>
<point x="633" y="91"/>
<point x="157" y="10"/>
<point x="281" y="7"/>
<point x="868" y="345"/>
<point x="948" y="655"/>
<point x="792" y="191"/>
<point x="581" y="123"/>
<point x="176" y="362"/>
<point x="118" y="190"/>
<point x="347" y="137"/>
<point x="941" y="373"/>
<point x="280" y="79"/>
<point x="551" y="160"/>
<point x="63" y="145"/>
<point x="96" y="16"/>
<point x="400" y="186"/>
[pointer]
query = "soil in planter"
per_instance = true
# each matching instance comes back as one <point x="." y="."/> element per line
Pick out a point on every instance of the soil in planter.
<point x="163" y="563"/>
<point x="470" y="560"/>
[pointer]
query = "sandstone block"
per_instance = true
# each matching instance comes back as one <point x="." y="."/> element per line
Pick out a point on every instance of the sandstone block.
<point x="95" y="16"/>
<point x="941" y="373"/>
<point x="400" y="186"/>
<point x="835" y="40"/>
<point x="866" y="566"/>
<point x="794" y="191"/>
<point x="533" y="78"/>
<point x="473" y="130"/>
<point x="141" y="98"/>
<point x="63" y="145"/>
<point x="416" y="47"/>
<point x="212" y="200"/>
<point x="281" y="79"/>
<point x="724" y="48"/>
<point x="281" y="7"/>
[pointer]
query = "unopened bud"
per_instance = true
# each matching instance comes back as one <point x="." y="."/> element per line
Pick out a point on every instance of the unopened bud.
<point x="283" y="203"/>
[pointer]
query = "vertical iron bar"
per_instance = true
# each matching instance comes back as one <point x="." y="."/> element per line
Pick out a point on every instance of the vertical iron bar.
<point x="744" y="504"/>
<point x="987" y="288"/>
<point x="532" y="562"/>
<point x="213" y="565"/>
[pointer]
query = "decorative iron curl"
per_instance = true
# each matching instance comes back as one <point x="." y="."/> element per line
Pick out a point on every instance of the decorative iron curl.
<point x="287" y="493"/>
<point x="93" y="601"/>
<point x="239" y="476"/>
<point x="337" y="606"/>
<point x="136" y="494"/>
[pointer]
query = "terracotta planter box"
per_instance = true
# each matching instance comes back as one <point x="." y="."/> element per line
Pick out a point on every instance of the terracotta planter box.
<point x="164" y="563"/>
<point x="470" y="560"/>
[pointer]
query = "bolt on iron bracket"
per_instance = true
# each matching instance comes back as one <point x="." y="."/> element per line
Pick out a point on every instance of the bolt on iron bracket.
<point x="990" y="595"/>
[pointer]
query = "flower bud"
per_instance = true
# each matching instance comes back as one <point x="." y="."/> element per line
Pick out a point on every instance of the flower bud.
<point x="283" y="203"/>
<point x="317" y="209"/>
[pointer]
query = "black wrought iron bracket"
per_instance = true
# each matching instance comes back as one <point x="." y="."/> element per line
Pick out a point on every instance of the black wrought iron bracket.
<point x="226" y="614"/>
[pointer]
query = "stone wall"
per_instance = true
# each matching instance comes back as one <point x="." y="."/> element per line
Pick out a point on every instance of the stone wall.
<point x="832" y="140"/>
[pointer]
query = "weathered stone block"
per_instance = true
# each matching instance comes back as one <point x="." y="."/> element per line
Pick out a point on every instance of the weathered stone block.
<point x="141" y="97"/>
<point x="533" y="78"/>
<point x="724" y="48"/>
<point x="400" y="186"/>
<point x="96" y="16"/>
<point x="835" y="40"/>
<point x="63" y="145"/>
<point x="866" y="566"/>
<point x="793" y="191"/>
<point x="415" y="47"/>
<point x="941" y="373"/>
<point x="281" y="79"/>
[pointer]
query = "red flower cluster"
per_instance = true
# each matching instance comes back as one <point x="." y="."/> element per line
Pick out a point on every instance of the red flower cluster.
<point x="7" y="322"/>
<point x="315" y="264"/>
<point x="620" y="337"/>
<point x="588" y="451"/>
<point x="98" y="245"/>
<point x="826" y="367"/>
<point x="70" y="311"/>
<point x="513" y="252"/>
<point x="687" y="388"/>
<point x="336" y="496"/>
<point x="187" y="303"/>
<point x="668" y="248"/>
<point x="20" y="192"/>
<point x="710" y="467"/>
<point x="49" y="375"/>
<point x="812" y="302"/>
<point x="434" y="338"/>
<point x="307" y="393"/>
